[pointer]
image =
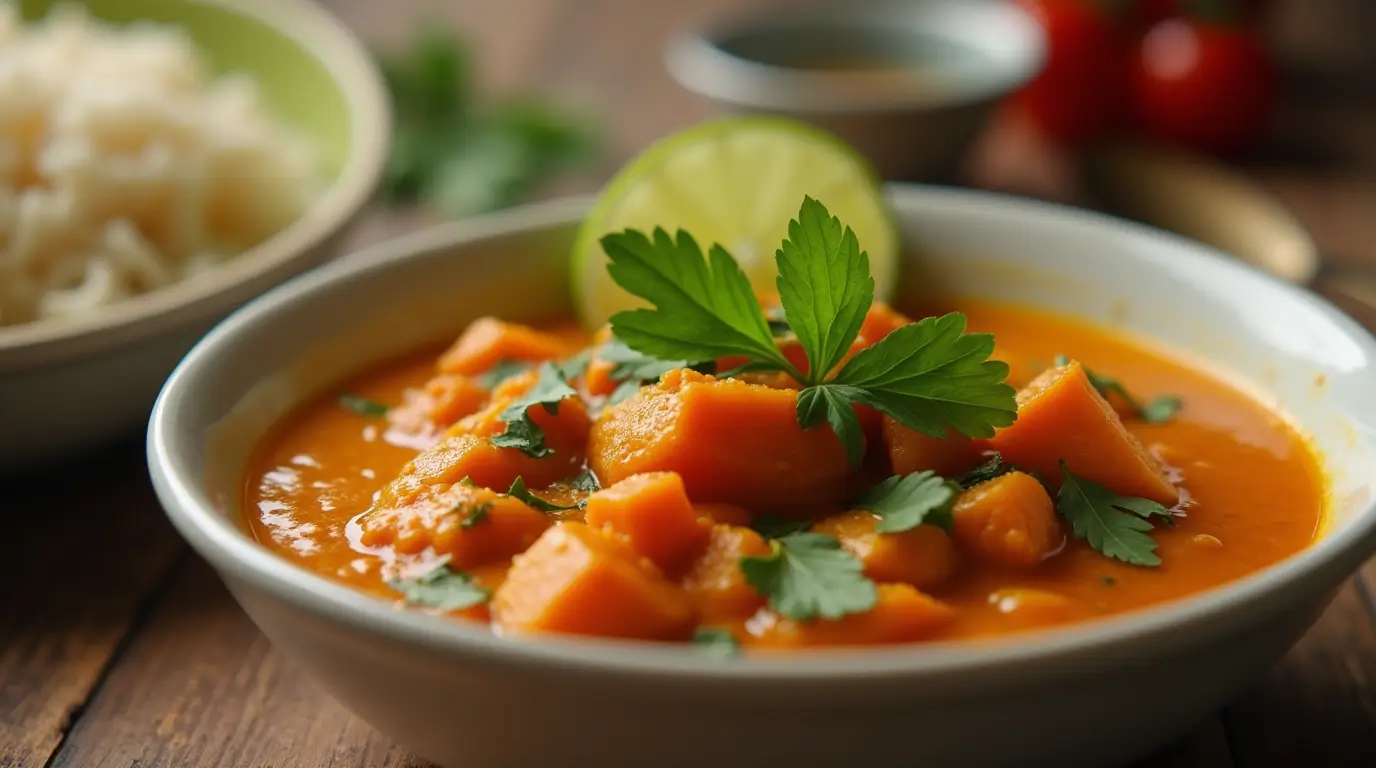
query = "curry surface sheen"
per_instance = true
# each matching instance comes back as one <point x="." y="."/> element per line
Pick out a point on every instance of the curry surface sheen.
<point x="1256" y="494"/>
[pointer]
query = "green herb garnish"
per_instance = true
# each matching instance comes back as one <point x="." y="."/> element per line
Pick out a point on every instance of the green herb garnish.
<point x="809" y="575"/>
<point x="460" y="156"/>
<point x="994" y="467"/>
<point x="775" y="527"/>
<point x="500" y="372"/>
<point x="586" y="481"/>
<point x="362" y="406"/>
<point x="442" y="588"/>
<point x="1159" y="409"/>
<point x="904" y="502"/>
<point x="522" y="432"/>
<point x="716" y="641"/>
<point x="633" y="369"/>
<point x="520" y="492"/>
<point x="1115" y="526"/>
<point x="930" y="376"/>
<point x="476" y="515"/>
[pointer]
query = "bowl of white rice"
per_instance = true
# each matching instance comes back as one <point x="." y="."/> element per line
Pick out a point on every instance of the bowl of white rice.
<point x="162" y="162"/>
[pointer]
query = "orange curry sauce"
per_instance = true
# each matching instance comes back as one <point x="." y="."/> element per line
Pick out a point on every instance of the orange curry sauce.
<point x="1254" y="489"/>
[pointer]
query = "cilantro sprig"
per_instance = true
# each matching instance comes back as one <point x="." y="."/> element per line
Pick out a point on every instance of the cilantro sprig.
<point x="632" y="369"/>
<point x="993" y="467"/>
<point x="904" y="502"/>
<point x="520" y="492"/>
<point x="1159" y="409"/>
<point x="522" y="433"/>
<point x="930" y="376"/>
<point x="443" y="588"/>
<point x="1115" y="526"/>
<point x="808" y="575"/>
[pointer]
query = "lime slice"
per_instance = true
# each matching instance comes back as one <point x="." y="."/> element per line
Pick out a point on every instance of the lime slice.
<point x="736" y="182"/>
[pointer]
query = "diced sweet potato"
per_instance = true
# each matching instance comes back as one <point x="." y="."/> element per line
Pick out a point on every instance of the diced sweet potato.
<point x="578" y="580"/>
<point x="654" y="514"/>
<point x="921" y="556"/>
<point x="1062" y="417"/>
<point x="488" y="341"/>
<point x="443" y="400"/>
<point x="435" y="517"/>
<point x="1027" y="608"/>
<point x="902" y="614"/>
<point x="880" y="321"/>
<point x="730" y="514"/>
<point x="715" y="583"/>
<point x="911" y="451"/>
<point x="1009" y="520"/>
<point x="730" y="442"/>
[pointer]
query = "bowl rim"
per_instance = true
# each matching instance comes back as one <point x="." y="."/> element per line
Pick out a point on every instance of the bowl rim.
<point x="234" y="553"/>
<point x="324" y="37"/>
<point x="698" y="62"/>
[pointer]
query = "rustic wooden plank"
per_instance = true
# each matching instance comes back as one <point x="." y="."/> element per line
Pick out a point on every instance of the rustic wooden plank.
<point x="1318" y="706"/>
<point x="200" y="685"/>
<point x="1204" y="747"/>
<point x="87" y="543"/>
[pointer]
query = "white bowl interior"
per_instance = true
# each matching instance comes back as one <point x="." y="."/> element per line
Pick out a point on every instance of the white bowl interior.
<point x="1282" y="343"/>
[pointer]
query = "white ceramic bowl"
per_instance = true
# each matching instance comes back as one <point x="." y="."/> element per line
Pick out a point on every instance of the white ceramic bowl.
<point x="1103" y="691"/>
<point x="72" y="383"/>
<point x="953" y="60"/>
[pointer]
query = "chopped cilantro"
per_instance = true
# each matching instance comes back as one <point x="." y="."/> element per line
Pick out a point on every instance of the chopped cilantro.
<point x="809" y="575"/>
<point x="442" y="588"/>
<point x="1159" y="409"/>
<point x="520" y="492"/>
<point x="522" y="432"/>
<point x="362" y="406"/>
<point x="716" y="641"/>
<point x="476" y="515"/>
<point x="586" y="481"/>
<point x="1115" y="526"/>
<point x="994" y="467"/>
<point x="501" y="372"/>
<point x="905" y="502"/>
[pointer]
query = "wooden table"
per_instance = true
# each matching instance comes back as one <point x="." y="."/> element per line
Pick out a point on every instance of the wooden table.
<point x="119" y="647"/>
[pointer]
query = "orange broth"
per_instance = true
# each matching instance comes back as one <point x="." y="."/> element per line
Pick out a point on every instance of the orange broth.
<point x="1255" y="489"/>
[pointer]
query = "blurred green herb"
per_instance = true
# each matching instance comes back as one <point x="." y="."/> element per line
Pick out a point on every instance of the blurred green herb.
<point x="462" y="156"/>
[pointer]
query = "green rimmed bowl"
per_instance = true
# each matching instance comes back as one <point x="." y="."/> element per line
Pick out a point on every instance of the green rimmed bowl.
<point x="73" y="383"/>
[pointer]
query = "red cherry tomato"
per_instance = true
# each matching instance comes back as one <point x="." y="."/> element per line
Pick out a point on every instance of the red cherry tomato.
<point x="1203" y="85"/>
<point x="1080" y="94"/>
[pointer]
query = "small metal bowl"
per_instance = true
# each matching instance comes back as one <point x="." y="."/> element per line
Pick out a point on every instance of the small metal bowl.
<point x="909" y="84"/>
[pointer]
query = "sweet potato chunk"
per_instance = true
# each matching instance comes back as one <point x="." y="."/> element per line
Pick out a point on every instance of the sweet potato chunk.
<point x="730" y="442"/>
<point x="1062" y="417"/>
<point x="1009" y="520"/>
<point x="443" y="400"/>
<point x="921" y="556"/>
<point x="880" y="321"/>
<point x="715" y="583"/>
<point x="578" y="580"/>
<point x="911" y="451"/>
<point x="499" y="526"/>
<point x="488" y="341"/>
<point x="902" y="614"/>
<point x="730" y="514"/>
<point x="1027" y="608"/>
<point x="653" y="512"/>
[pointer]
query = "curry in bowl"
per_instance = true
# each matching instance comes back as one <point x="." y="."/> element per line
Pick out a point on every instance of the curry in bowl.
<point x="681" y="475"/>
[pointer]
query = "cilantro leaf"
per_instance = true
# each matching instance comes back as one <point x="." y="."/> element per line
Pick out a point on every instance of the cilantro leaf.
<point x="521" y="431"/>
<point x="362" y="406"/>
<point x="775" y="527"/>
<point x="500" y="372"/>
<point x="476" y="515"/>
<point x="1116" y="526"/>
<point x="716" y="641"/>
<point x="931" y="375"/>
<point x="905" y="502"/>
<point x="520" y="492"/>
<point x="808" y="575"/>
<point x="824" y="286"/>
<point x="985" y="472"/>
<point x="704" y="308"/>
<point x="574" y="365"/>
<point x="630" y="365"/>
<point x="586" y="481"/>
<point x="836" y="404"/>
<point x="442" y="588"/>
<point x="1160" y="409"/>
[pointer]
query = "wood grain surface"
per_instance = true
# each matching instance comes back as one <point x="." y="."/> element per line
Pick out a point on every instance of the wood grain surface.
<point x="119" y="647"/>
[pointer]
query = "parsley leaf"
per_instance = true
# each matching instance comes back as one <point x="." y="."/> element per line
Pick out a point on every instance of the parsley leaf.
<point x="994" y="467"/>
<point x="824" y="286"/>
<point x="1116" y="526"/>
<point x="905" y="502"/>
<point x="630" y="365"/>
<point x="775" y="527"/>
<point x="586" y="481"/>
<point x="835" y="403"/>
<point x="442" y="588"/>
<point x="362" y="406"/>
<point x="808" y="575"/>
<point x="476" y="515"/>
<point x="500" y="372"/>
<point x="1162" y="408"/>
<point x="521" y="431"/>
<point x="704" y="308"/>
<point x="716" y="641"/>
<point x="520" y="492"/>
<point x="931" y="375"/>
<point x="574" y="365"/>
